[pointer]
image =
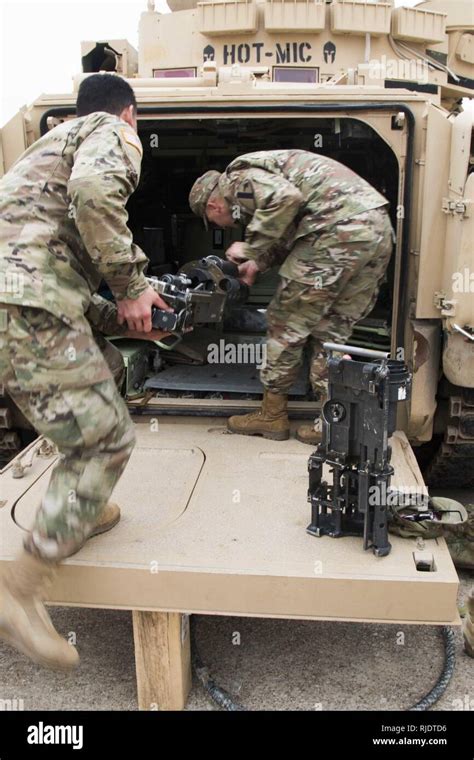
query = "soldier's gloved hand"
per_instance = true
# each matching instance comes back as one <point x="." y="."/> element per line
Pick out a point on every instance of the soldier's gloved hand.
<point x="137" y="312"/>
<point x="248" y="272"/>
<point x="235" y="253"/>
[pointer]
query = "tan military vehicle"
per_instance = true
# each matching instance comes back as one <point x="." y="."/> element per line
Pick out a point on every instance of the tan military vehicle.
<point x="376" y="87"/>
<point x="215" y="523"/>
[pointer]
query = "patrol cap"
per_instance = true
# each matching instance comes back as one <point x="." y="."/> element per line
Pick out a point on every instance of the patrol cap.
<point x="201" y="192"/>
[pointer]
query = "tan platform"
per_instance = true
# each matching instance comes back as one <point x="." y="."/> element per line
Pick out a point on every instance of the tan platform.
<point x="215" y="523"/>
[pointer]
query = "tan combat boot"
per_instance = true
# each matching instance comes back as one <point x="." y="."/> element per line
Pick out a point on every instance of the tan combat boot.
<point x="271" y="421"/>
<point x="310" y="434"/>
<point x="109" y="517"/>
<point x="24" y="621"/>
<point x="468" y="626"/>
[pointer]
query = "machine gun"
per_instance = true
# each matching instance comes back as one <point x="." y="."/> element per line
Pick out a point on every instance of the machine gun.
<point x="358" y="418"/>
<point x="198" y="294"/>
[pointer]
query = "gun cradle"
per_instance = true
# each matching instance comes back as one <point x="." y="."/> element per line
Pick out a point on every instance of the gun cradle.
<point x="198" y="294"/>
<point x="358" y="420"/>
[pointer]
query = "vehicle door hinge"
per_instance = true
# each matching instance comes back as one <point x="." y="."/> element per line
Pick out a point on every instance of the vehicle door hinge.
<point x="455" y="207"/>
<point x="448" y="308"/>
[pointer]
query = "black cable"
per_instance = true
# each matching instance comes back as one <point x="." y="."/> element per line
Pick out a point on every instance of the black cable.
<point x="223" y="699"/>
<point x="446" y="674"/>
<point x="218" y="695"/>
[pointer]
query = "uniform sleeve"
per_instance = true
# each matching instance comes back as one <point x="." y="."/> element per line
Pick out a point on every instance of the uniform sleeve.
<point x="273" y="204"/>
<point x="105" y="173"/>
<point x="276" y="254"/>
<point x="102" y="316"/>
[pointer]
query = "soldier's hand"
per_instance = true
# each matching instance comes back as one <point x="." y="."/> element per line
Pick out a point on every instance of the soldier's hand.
<point x="137" y="312"/>
<point x="235" y="253"/>
<point x="248" y="272"/>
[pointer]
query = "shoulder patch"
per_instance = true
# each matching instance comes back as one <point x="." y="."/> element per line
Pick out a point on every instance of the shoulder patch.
<point x="130" y="137"/>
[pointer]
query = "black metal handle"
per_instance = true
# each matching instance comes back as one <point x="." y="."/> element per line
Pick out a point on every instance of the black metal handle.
<point x="164" y="320"/>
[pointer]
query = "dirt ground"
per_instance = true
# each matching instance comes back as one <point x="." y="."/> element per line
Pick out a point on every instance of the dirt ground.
<point x="278" y="664"/>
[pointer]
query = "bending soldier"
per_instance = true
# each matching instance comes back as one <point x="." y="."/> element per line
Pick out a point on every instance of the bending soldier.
<point x="330" y="232"/>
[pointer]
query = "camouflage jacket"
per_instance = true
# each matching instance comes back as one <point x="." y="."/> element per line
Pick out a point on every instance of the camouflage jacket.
<point x="102" y="317"/>
<point x="282" y="195"/>
<point x="63" y="222"/>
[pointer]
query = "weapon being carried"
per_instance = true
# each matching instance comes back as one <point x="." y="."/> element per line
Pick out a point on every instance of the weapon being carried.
<point x="358" y="419"/>
<point x="198" y="294"/>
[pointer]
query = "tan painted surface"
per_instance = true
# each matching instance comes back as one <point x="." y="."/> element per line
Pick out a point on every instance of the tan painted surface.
<point x="227" y="536"/>
<point x="425" y="379"/>
<point x="13" y="141"/>
<point x="433" y="221"/>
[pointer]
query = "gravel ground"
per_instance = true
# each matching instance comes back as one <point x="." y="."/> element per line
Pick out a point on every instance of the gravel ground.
<point x="278" y="664"/>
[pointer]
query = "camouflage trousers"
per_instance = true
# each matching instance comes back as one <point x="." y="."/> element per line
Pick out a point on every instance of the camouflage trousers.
<point x="60" y="380"/>
<point x="335" y="278"/>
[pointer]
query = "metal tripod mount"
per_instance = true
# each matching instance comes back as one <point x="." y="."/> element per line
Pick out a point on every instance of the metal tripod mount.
<point x="358" y="419"/>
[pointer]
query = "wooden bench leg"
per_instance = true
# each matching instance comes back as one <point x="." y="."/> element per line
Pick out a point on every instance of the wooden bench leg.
<point x="162" y="659"/>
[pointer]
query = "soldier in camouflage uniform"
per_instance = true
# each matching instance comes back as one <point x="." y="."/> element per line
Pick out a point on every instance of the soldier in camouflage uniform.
<point x="329" y="231"/>
<point x="63" y="228"/>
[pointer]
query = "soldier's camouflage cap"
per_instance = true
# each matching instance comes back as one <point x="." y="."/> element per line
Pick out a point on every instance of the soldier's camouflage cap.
<point x="201" y="191"/>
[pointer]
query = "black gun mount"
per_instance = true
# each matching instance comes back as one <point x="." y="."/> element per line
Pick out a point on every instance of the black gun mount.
<point x="358" y="419"/>
<point x="198" y="294"/>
